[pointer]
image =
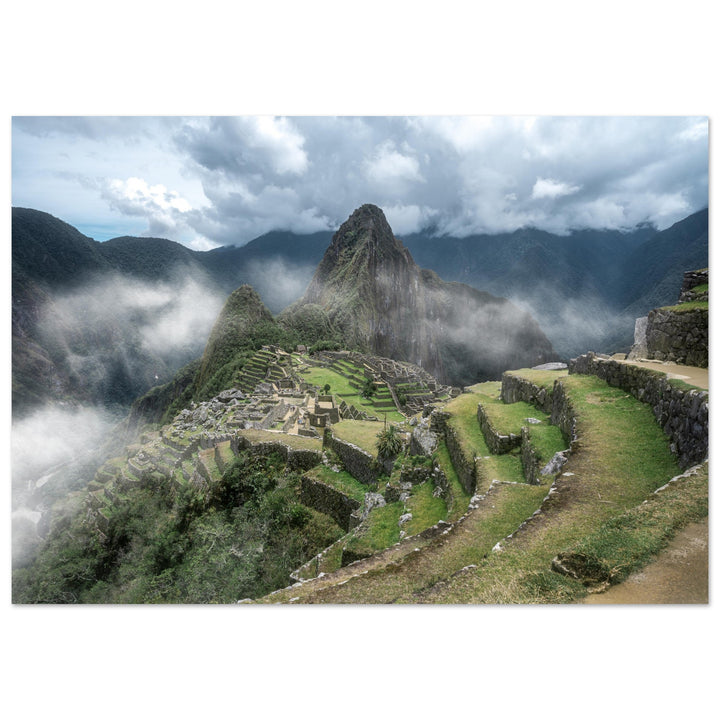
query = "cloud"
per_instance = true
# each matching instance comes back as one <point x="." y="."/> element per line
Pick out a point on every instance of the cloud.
<point x="390" y="167"/>
<point x="549" y="188"/>
<point x="243" y="176"/>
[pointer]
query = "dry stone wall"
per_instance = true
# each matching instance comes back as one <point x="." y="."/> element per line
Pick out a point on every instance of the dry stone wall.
<point x="682" y="413"/>
<point x="464" y="466"/>
<point x="498" y="444"/>
<point x="529" y="458"/>
<point x="360" y="464"/>
<point x="680" y="337"/>
<point x="515" y="389"/>
<point x="326" y="499"/>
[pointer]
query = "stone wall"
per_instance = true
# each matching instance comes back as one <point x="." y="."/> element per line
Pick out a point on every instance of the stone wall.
<point x="464" y="466"/>
<point x="498" y="444"/>
<point x="682" y="413"/>
<point x="680" y="337"/>
<point x="360" y="464"/>
<point x="326" y="499"/>
<point x="516" y="389"/>
<point x="296" y="459"/>
<point x="562" y="413"/>
<point x="529" y="458"/>
<point x="691" y="280"/>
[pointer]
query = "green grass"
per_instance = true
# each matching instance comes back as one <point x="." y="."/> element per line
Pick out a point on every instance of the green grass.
<point x="628" y="541"/>
<point x="701" y="288"/>
<point x="426" y="510"/>
<point x="378" y="531"/>
<point x="342" y="481"/>
<point x="362" y="433"/>
<point x="687" y="306"/>
<point x="464" y="421"/>
<point x="546" y="440"/>
<point x="542" y="378"/>
<point x="463" y="410"/>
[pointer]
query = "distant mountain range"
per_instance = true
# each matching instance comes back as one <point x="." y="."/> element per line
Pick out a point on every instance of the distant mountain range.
<point x="584" y="289"/>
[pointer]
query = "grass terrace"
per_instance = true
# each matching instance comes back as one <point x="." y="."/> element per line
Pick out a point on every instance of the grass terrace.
<point x="378" y="531"/>
<point x="687" y="306"/>
<point x="542" y="378"/>
<point x="362" y="433"/>
<point x="463" y="420"/>
<point x="426" y="510"/>
<point x="620" y="458"/>
<point x="343" y="388"/>
<point x="342" y="481"/>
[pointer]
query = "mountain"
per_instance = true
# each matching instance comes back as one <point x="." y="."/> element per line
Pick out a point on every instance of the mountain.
<point x="584" y="289"/>
<point x="378" y="299"/>
<point x="655" y="269"/>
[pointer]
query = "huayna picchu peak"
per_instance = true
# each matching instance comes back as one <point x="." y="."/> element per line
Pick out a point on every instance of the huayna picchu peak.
<point x="380" y="301"/>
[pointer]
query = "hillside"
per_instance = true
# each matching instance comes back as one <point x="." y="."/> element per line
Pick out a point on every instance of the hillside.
<point x="537" y="489"/>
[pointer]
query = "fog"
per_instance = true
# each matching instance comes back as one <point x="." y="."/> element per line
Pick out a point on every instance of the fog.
<point x="278" y="282"/>
<point x="115" y="338"/>
<point x="575" y="325"/>
<point x="53" y="451"/>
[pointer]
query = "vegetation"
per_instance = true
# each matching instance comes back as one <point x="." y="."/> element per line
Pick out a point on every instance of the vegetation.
<point x="625" y="543"/>
<point x="239" y="538"/>
<point x="687" y="306"/>
<point x="389" y="442"/>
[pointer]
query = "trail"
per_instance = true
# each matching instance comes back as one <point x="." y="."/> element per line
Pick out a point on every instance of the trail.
<point x="688" y="373"/>
<point x="679" y="574"/>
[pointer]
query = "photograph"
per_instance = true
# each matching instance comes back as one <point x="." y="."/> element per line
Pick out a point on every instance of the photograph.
<point x="360" y="359"/>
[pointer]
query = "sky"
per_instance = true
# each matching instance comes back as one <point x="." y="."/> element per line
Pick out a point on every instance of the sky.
<point x="224" y="180"/>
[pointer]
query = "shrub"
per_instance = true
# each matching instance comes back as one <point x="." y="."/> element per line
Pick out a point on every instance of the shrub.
<point x="389" y="442"/>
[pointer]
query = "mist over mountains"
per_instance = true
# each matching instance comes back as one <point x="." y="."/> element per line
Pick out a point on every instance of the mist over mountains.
<point x="105" y="321"/>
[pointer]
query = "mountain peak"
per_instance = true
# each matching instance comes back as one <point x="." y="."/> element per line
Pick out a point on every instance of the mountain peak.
<point x="366" y="225"/>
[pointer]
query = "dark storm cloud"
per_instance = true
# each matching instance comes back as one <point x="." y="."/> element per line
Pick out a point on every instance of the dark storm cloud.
<point x="226" y="180"/>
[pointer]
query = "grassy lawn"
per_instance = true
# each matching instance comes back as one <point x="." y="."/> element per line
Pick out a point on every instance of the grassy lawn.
<point x="509" y="418"/>
<point x="378" y="531"/>
<point x="687" y="306"/>
<point x="541" y="378"/>
<point x="362" y="433"/>
<point x="426" y="510"/>
<point x="341" y="387"/>
<point x="464" y="421"/>
<point x="342" y="481"/>
<point x="626" y="542"/>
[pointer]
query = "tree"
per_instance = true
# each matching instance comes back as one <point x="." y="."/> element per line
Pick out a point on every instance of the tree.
<point x="326" y="388"/>
<point x="389" y="443"/>
<point x="368" y="388"/>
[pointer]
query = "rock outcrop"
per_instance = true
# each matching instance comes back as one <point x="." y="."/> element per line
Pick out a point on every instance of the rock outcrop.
<point x="379" y="301"/>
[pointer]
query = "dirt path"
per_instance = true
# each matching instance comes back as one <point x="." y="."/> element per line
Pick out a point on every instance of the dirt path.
<point x="692" y="375"/>
<point x="679" y="575"/>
